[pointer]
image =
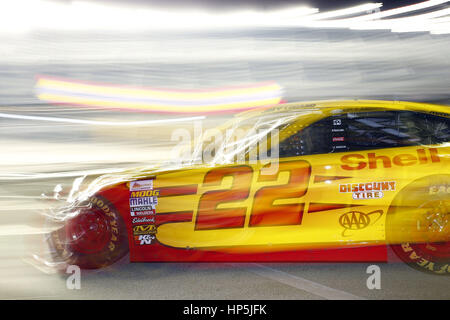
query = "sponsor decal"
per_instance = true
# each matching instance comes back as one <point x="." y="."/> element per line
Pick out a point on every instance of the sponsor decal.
<point x="138" y="220"/>
<point x="144" y="234"/>
<point x="369" y="190"/>
<point x="145" y="193"/>
<point x="143" y="213"/>
<point x="141" y="185"/>
<point x="147" y="208"/>
<point x="144" y="201"/>
<point x="370" y="160"/>
<point x="440" y="189"/>
<point x="338" y="139"/>
<point x="144" y="229"/>
<point x="144" y="239"/>
<point x="357" y="220"/>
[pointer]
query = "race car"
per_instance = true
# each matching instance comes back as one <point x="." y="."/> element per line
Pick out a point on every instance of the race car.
<point x="316" y="181"/>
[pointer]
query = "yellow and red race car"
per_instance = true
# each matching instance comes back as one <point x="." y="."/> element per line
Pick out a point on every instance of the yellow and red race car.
<point x="319" y="181"/>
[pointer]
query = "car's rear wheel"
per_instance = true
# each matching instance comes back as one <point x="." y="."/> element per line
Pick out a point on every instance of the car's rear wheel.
<point x="94" y="238"/>
<point x="418" y="227"/>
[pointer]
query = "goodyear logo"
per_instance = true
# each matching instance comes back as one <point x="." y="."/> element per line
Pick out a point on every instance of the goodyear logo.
<point x="357" y="220"/>
<point x="145" y="229"/>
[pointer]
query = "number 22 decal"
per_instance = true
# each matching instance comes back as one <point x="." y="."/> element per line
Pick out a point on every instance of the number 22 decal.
<point x="264" y="211"/>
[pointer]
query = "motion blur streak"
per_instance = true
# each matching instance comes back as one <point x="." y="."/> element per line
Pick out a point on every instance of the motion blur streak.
<point x="46" y="15"/>
<point x="99" y="123"/>
<point x="229" y="99"/>
<point x="312" y="54"/>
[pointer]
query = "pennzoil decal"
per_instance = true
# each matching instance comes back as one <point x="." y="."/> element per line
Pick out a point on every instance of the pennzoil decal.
<point x="368" y="190"/>
<point x="357" y="220"/>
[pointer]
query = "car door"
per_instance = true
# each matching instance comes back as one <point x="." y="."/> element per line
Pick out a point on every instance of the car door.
<point x="360" y="160"/>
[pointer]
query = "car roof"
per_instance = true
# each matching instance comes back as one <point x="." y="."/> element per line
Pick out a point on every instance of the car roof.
<point x="334" y="107"/>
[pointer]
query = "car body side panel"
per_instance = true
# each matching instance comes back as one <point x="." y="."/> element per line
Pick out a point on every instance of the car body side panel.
<point x="335" y="225"/>
<point x="328" y="207"/>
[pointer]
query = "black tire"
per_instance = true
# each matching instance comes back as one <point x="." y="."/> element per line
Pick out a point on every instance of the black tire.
<point x="95" y="238"/>
<point x="418" y="227"/>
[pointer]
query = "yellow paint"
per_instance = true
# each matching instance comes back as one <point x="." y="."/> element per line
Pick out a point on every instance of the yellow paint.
<point x="316" y="228"/>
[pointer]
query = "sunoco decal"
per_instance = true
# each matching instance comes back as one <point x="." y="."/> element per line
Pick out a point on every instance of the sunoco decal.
<point x="369" y="190"/>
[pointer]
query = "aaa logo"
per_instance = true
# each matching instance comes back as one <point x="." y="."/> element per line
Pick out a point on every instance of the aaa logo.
<point x="356" y="220"/>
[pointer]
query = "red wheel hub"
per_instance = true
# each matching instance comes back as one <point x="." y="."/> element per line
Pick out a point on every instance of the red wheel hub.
<point x="88" y="232"/>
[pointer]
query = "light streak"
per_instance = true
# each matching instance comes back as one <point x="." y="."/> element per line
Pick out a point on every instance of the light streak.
<point x="98" y="123"/>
